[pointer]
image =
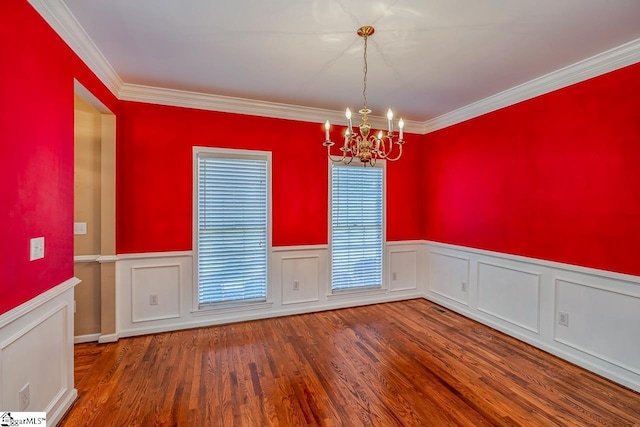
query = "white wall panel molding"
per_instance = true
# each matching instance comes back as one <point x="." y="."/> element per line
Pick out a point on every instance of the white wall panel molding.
<point x="405" y="269"/>
<point x="150" y="255"/>
<point x="405" y="243"/>
<point x="525" y="298"/>
<point x="102" y="259"/>
<point x="58" y="16"/>
<point x="449" y="276"/>
<point x="536" y="261"/>
<point x="510" y="294"/>
<point x="155" y="292"/>
<point x="85" y="258"/>
<point x="152" y="290"/>
<point x="32" y="304"/>
<point x="300" y="279"/>
<point x="600" y="322"/>
<point x="613" y="59"/>
<point x="299" y="248"/>
<point x="307" y="265"/>
<point x="36" y="347"/>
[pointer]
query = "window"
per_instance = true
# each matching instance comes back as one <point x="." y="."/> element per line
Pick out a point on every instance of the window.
<point x="231" y="226"/>
<point x="356" y="226"/>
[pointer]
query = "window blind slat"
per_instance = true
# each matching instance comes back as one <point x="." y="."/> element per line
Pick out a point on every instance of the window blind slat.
<point x="232" y="229"/>
<point x="356" y="227"/>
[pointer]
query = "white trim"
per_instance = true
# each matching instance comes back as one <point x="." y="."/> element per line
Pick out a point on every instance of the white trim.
<point x="36" y="302"/>
<point x="85" y="258"/>
<point x="231" y="307"/>
<point x="95" y="258"/>
<point x="80" y="339"/>
<point x="108" y="338"/>
<point x="405" y="242"/>
<point x="60" y="18"/>
<point x="610" y="60"/>
<point x="299" y="248"/>
<point x="23" y="322"/>
<point x="251" y="107"/>
<point x="538" y="276"/>
<point x="542" y="262"/>
<point x="63" y="406"/>
<point x="578" y="347"/>
<point x="148" y="255"/>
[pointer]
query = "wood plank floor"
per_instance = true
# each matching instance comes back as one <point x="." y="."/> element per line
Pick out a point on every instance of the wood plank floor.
<point x="395" y="364"/>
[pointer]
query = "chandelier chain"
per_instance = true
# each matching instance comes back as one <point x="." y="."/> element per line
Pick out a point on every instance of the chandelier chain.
<point x="364" y="90"/>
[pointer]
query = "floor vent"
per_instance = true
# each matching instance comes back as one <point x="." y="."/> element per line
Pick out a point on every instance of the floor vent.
<point x="438" y="309"/>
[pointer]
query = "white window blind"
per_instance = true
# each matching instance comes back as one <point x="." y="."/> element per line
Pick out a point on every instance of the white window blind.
<point x="356" y="226"/>
<point x="232" y="229"/>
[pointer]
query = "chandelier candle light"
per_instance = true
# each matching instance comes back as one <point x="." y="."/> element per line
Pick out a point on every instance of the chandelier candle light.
<point x="368" y="148"/>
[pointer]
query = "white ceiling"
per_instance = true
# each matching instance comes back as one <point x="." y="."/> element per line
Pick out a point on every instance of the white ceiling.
<point x="426" y="58"/>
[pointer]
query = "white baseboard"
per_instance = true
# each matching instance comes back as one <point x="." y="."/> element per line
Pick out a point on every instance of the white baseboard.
<point x="103" y="339"/>
<point x="79" y="339"/>
<point x="249" y="315"/>
<point x="54" y="417"/>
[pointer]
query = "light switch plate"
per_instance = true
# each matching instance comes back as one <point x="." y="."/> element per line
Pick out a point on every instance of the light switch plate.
<point x="79" y="228"/>
<point x="36" y="248"/>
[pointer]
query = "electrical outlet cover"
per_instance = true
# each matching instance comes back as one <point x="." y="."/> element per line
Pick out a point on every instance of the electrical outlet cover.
<point x="24" y="397"/>
<point x="563" y="319"/>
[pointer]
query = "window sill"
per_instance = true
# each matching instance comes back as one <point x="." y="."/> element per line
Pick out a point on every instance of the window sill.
<point x="232" y="308"/>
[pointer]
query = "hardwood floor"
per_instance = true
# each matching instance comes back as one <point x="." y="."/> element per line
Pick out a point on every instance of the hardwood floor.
<point x="395" y="364"/>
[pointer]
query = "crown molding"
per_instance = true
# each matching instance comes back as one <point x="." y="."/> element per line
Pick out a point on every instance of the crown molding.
<point x="613" y="59"/>
<point x="58" y="16"/>
<point x="252" y="107"/>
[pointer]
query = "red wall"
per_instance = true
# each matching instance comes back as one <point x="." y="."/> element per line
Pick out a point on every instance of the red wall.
<point x="36" y="136"/>
<point x="154" y="169"/>
<point x="556" y="177"/>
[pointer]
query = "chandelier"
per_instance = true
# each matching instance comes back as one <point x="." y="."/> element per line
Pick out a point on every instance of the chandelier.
<point x="366" y="146"/>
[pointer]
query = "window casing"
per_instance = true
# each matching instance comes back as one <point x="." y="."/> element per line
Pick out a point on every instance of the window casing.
<point x="356" y="226"/>
<point x="231" y="226"/>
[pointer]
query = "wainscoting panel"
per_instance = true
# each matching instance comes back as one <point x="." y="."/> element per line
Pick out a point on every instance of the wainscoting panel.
<point x="509" y="294"/>
<point x="589" y="317"/>
<point x="601" y="322"/>
<point x="155" y="292"/>
<point x="449" y="276"/>
<point x="170" y="276"/>
<point x="403" y="269"/>
<point x="36" y="348"/>
<point x="300" y="279"/>
<point x="142" y="280"/>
